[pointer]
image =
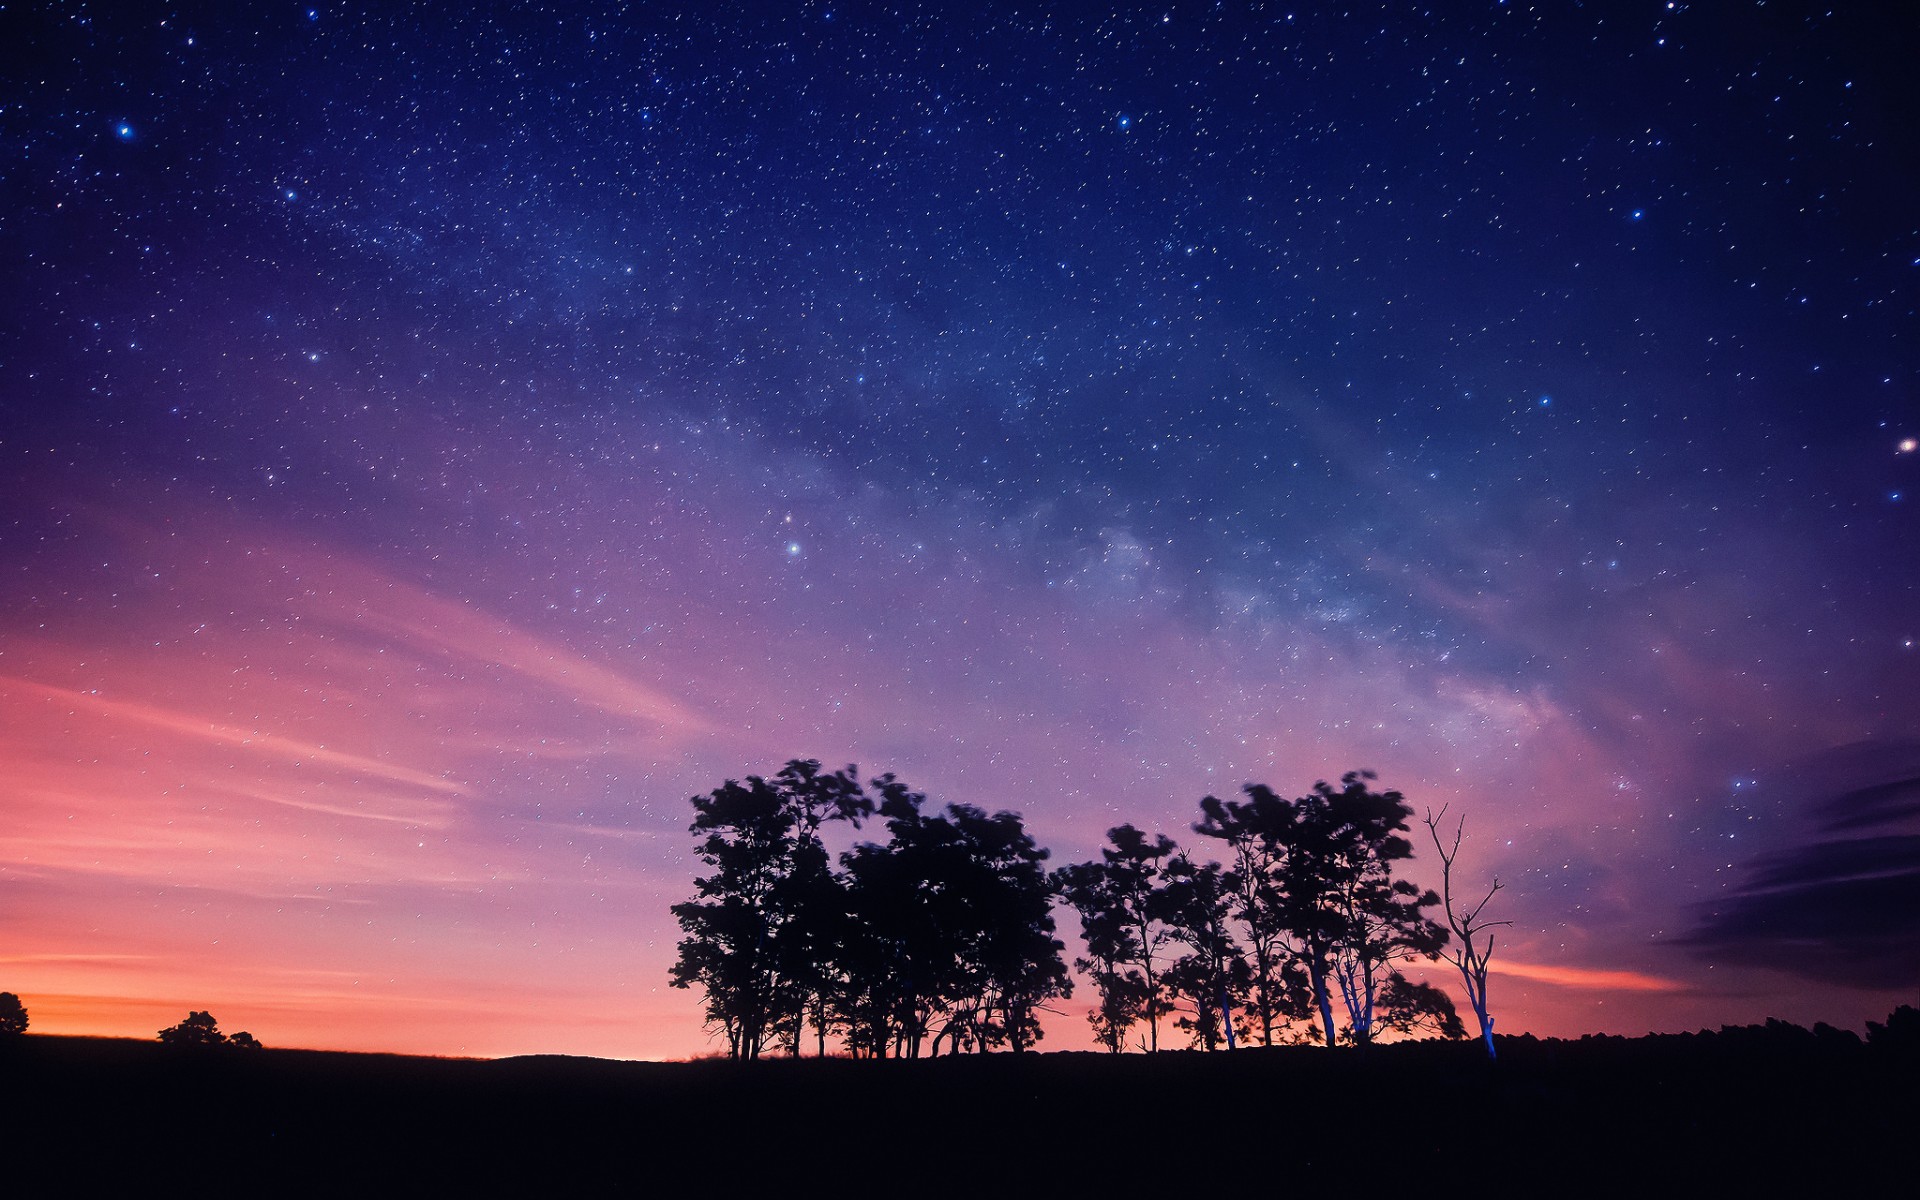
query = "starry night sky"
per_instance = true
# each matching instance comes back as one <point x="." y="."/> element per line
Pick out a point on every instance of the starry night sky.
<point x="436" y="441"/>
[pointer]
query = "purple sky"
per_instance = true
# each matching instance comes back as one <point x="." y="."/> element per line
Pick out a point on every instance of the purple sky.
<point x="437" y="448"/>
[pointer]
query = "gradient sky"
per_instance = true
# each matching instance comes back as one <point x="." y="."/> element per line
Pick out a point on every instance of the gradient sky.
<point x="436" y="441"/>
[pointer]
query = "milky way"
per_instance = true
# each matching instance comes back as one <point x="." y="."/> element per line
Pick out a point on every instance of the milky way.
<point x="438" y="441"/>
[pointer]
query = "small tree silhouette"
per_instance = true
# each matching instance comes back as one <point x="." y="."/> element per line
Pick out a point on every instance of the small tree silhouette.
<point x="1473" y="950"/>
<point x="199" y="1029"/>
<point x="1410" y="1006"/>
<point x="245" y="1041"/>
<point x="1120" y="897"/>
<point x="13" y="1014"/>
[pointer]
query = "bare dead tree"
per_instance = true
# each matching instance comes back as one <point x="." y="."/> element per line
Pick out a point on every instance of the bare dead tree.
<point x="1473" y="948"/>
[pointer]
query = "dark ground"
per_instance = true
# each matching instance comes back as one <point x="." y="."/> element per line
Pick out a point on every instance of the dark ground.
<point x="1769" y="1109"/>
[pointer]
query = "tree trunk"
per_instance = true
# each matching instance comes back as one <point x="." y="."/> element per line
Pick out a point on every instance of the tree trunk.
<point x="1318" y="972"/>
<point x="1264" y="959"/>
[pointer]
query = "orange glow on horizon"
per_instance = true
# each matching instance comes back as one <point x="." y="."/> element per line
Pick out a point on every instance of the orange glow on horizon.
<point x="1589" y="979"/>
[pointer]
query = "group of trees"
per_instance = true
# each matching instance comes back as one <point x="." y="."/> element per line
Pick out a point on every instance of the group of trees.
<point x="1307" y="915"/>
<point x="200" y="1032"/>
<point x="941" y="934"/>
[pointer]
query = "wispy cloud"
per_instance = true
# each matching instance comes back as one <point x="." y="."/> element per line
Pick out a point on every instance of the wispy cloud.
<point x="366" y="805"/>
<point x="466" y="635"/>
<point x="211" y="732"/>
<point x="91" y="959"/>
<point x="1590" y="979"/>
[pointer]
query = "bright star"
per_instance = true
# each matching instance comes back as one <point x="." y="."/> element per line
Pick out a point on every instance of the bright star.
<point x="793" y="549"/>
<point x="123" y="131"/>
<point x="1909" y="445"/>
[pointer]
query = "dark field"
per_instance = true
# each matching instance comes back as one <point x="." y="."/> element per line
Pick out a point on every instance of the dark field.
<point x="1767" y="1108"/>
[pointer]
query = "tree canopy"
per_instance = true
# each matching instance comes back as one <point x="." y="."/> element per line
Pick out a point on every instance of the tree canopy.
<point x="198" y="1030"/>
<point x="756" y="929"/>
<point x="13" y="1014"/>
<point x="1123" y="918"/>
<point x="943" y="934"/>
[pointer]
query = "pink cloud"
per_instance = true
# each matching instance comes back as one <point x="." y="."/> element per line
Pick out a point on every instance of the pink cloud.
<point x="1586" y="978"/>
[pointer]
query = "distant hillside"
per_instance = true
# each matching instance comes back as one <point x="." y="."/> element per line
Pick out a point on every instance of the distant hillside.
<point x="1762" y="1106"/>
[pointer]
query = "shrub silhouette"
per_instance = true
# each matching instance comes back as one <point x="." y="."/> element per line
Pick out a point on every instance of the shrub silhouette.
<point x="244" y="1041"/>
<point x="199" y="1029"/>
<point x="13" y="1014"/>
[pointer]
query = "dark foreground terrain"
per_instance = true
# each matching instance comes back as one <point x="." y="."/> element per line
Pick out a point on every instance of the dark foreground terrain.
<point x="1761" y="1108"/>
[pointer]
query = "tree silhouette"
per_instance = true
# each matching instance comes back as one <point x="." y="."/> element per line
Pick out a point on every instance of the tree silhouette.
<point x="1122" y="918"/>
<point x="1195" y="903"/>
<point x="1380" y="919"/>
<point x="943" y="935"/>
<point x="1472" y="951"/>
<point x="1111" y="951"/>
<point x="197" y="1031"/>
<point x="1259" y="831"/>
<point x="1410" y="1006"/>
<point x="1314" y="891"/>
<point x="13" y="1015"/>
<point x="1012" y="963"/>
<point x="812" y="896"/>
<point x="903" y="958"/>
<point x="754" y="928"/>
<point x="952" y="932"/>
<point x="728" y="950"/>
<point x="244" y="1041"/>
